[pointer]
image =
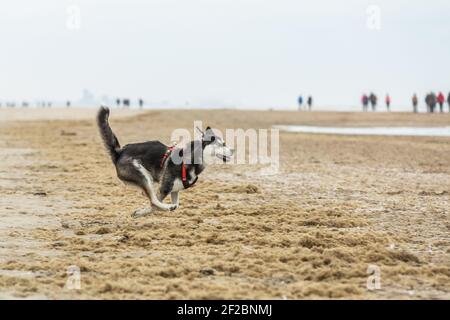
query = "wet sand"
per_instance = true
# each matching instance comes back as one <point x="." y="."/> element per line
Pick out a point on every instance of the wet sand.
<point x="338" y="205"/>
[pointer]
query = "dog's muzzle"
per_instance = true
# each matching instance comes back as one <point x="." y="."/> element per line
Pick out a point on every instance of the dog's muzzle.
<point x="227" y="158"/>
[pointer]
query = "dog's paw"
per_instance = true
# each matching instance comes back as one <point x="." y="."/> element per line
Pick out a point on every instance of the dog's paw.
<point x="141" y="212"/>
<point x="173" y="207"/>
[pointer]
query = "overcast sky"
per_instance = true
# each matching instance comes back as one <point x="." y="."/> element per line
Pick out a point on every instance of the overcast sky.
<point x="244" y="53"/>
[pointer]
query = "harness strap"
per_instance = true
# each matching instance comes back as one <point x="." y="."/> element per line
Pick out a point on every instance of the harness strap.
<point x="183" y="172"/>
<point x="184" y="180"/>
<point x="166" y="155"/>
<point x="186" y="183"/>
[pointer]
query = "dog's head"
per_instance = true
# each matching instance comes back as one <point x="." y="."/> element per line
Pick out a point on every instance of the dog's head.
<point x="215" y="148"/>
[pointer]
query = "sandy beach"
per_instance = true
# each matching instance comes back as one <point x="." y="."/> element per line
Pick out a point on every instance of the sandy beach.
<point x="340" y="205"/>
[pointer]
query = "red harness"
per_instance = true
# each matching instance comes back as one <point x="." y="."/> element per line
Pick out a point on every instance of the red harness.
<point x="183" y="167"/>
<point x="183" y="172"/>
<point x="166" y="155"/>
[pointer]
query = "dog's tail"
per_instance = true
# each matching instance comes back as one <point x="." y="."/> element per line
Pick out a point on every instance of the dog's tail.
<point x="108" y="137"/>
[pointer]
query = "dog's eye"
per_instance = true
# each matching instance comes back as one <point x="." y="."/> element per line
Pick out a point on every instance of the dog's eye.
<point x="213" y="138"/>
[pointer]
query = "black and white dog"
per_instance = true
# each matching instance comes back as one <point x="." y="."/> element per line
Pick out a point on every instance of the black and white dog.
<point x="141" y="164"/>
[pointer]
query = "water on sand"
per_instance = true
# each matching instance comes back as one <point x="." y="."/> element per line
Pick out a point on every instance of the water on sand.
<point x="372" y="131"/>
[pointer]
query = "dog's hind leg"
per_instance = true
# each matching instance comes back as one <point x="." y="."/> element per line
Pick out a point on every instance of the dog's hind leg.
<point x="141" y="212"/>
<point x="147" y="185"/>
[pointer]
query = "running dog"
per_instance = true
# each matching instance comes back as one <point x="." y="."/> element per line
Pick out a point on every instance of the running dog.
<point x="176" y="169"/>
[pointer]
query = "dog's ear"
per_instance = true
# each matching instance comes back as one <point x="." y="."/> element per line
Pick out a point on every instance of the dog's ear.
<point x="209" y="132"/>
<point x="209" y="135"/>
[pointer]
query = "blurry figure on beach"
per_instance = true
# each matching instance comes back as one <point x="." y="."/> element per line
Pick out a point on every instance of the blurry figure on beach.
<point x="25" y="104"/>
<point x="300" y="102"/>
<point x="49" y="104"/>
<point x="373" y="101"/>
<point x="431" y="101"/>
<point x="365" y="101"/>
<point x="427" y="102"/>
<point x="126" y="103"/>
<point x="415" y="102"/>
<point x="310" y="102"/>
<point x="141" y="103"/>
<point x="118" y="103"/>
<point x="441" y="101"/>
<point x="68" y="104"/>
<point x="388" y="102"/>
<point x="448" y="102"/>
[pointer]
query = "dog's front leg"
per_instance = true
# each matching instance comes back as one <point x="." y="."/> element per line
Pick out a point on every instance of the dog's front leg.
<point x="175" y="198"/>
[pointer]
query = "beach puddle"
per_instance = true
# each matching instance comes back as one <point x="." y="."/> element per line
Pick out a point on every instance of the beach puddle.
<point x="371" y="131"/>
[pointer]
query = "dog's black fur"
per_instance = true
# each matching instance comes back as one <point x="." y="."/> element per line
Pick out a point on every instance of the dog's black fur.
<point x="129" y="159"/>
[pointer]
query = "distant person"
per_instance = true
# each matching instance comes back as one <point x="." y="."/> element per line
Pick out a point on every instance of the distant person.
<point x="365" y="102"/>
<point x="373" y="101"/>
<point x="141" y="103"/>
<point x="448" y="102"/>
<point x="68" y="104"/>
<point x="126" y="103"/>
<point x="388" y="102"/>
<point x="441" y="101"/>
<point x="300" y="102"/>
<point x="415" y="102"/>
<point x="118" y="103"/>
<point x="310" y="102"/>
<point x="25" y="104"/>
<point x="431" y="101"/>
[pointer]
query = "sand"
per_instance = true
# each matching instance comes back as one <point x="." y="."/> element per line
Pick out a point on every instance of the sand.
<point x="339" y="205"/>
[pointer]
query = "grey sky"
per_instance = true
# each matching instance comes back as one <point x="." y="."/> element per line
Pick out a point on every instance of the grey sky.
<point x="248" y="53"/>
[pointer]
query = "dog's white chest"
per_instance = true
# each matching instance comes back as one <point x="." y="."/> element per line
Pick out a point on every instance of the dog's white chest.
<point x="177" y="185"/>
